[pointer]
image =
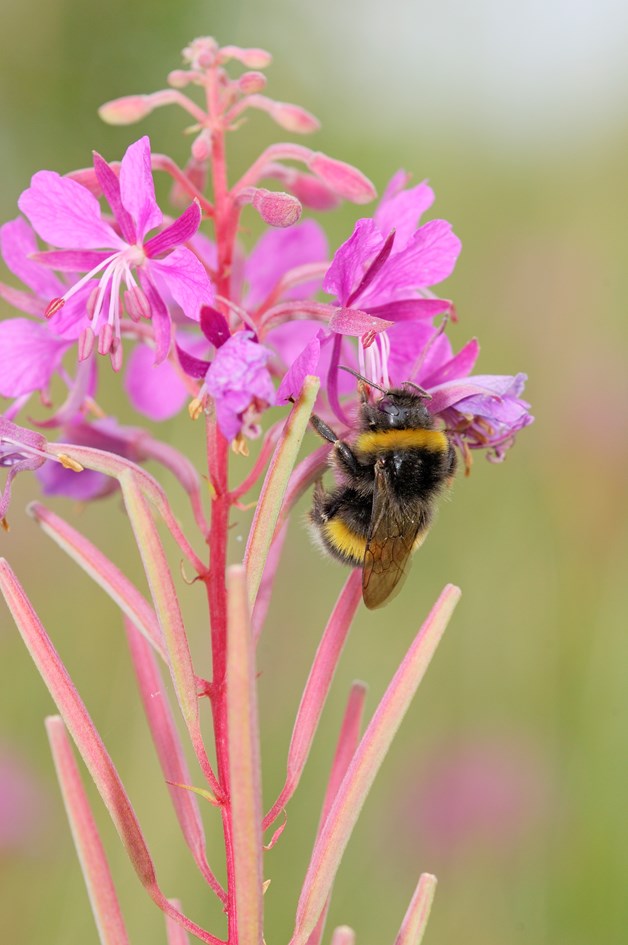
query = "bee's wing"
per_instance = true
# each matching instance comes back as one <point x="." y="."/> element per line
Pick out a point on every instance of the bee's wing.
<point x="390" y="542"/>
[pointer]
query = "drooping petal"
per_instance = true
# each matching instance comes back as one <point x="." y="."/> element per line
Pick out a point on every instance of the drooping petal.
<point x="278" y="251"/>
<point x="186" y="280"/>
<point x="17" y="245"/>
<point x="65" y="214"/>
<point x="156" y="390"/>
<point x="29" y="356"/>
<point x="214" y="326"/>
<point x="350" y="259"/>
<point x="401" y="211"/>
<point x="137" y="190"/>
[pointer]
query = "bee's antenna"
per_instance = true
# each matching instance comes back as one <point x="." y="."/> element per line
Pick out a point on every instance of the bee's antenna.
<point x="421" y="390"/>
<point x="360" y="377"/>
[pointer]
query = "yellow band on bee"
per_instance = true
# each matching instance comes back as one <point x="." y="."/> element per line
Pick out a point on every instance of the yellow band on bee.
<point x="371" y="441"/>
<point x="344" y="540"/>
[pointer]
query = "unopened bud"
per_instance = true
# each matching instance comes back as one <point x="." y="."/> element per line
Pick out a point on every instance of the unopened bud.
<point x="251" y="58"/>
<point x="201" y="147"/>
<point x="294" y="118"/>
<point x="277" y="208"/>
<point x="179" y="78"/>
<point x="344" y="179"/>
<point x="251" y="82"/>
<point x="126" y="110"/>
<point x="312" y="192"/>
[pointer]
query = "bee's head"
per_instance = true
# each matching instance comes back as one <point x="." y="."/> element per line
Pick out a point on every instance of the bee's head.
<point x="398" y="409"/>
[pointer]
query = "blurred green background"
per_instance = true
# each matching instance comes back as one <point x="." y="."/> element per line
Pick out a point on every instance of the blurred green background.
<point x="509" y="776"/>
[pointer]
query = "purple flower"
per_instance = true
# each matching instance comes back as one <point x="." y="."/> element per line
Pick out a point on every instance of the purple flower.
<point x="389" y="262"/>
<point x="66" y="215"/>
<point x="240" y="384"/>
<point x="481" y="411"/>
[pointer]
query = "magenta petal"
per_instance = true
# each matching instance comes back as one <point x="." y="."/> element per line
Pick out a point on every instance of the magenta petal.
<point x="82" y="487"/>
<point x="459" y="366"/>
<point x="351" y="258"/>
<point x="110" y="185"/>
<point x="278" y="251"/>
<point x="402" y="211"/>
<point x="29" y="356"/>
<point x="214" y="326"/>
<point x="71" y="260"/>
<point x="137" y="190"/>
<point x="186" y="280"/>
<point x="180" y="231"/>
<point x="305" y="364"/>
<point x="411" y="309"/>
<point x="408" y="341"/>
<point x="156" y="390"/>
<point x="65" y="214"/>
<point x="17" y="245"/>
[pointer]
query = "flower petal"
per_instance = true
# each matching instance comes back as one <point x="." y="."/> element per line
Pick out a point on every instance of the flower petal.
<point x="29" y="356"/>
<point x="401" y="211"/>
<point x="17" y="245"/>
<point x="156" y="390"/>
<point x="186" y="279"/>
<point x="110" y="186"/>
<point x="137" y="190"/>
<point x="350" y="260"/>
<point x="428" y="258"/>
<point x="65" y="214"/>
<point x="305" y="364"/>
<point x="179" y="231"/>
<point x="279" y="250"/>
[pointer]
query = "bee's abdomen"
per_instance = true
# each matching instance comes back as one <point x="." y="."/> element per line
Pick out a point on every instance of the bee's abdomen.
<point x="341" y="519"/>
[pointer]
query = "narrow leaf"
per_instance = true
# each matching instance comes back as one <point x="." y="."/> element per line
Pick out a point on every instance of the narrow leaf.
<point x="415" y="920"/>
<point x="317" y="688"/>
<point x="89" y="743"/>
<point x="104" y="572"/>
<point x="91" y="854"/>
<point x="166" y="605"/>
<point x="170" y="751"/>
<point x="275" y="484"/>
<point x="332" y="841"/>
<point x="345" y="750"/>
<point x="244" y="762"/>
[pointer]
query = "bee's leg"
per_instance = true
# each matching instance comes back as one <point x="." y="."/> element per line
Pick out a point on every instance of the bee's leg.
<point x="346" y="456"/>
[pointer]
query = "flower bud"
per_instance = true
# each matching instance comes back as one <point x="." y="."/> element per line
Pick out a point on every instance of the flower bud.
<point x="251" y="82"/>
<point x="251" y="58"/>
<point x="276" y="208"/>
<point x="344" y="179"/>
<point x="294" y="118"/>
<point x="180" y="78"/>
<point x="126" y="110"/>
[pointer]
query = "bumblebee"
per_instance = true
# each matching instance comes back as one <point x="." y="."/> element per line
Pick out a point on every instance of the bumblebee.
<point x="389" y="480"/>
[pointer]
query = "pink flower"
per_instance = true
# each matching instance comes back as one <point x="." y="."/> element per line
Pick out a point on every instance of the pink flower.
<point x="65" y="214"/>
<point x="240" y="384"/>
